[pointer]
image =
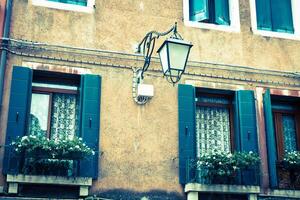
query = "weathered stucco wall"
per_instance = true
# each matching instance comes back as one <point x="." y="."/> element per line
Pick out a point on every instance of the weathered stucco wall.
<point x="119" y="25"/>
<point x="140" y="143"/>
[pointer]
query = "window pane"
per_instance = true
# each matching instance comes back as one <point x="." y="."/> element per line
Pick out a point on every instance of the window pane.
<point x="289" y="132"/>
<point x="212" y="129"/>
<point x="64" y="115"/>
<point x="39" y="114"/>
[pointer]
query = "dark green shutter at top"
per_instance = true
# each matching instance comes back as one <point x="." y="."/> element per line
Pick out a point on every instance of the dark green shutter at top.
<point x="282" y="19"/>
<point x="20" y="95"/>
<point x="187" y="138"/>
<point x="270" y="136"/>
<point x="222" y="12"/>
<point x="198" y="10"/>
<point x="90" y="122"/>
<point x="263" y="14"/>
<point x="246" y="133"/>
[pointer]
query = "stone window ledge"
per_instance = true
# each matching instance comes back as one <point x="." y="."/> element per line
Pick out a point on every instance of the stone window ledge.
<point x="192" y="190"/>
<point x="14" y="180"/>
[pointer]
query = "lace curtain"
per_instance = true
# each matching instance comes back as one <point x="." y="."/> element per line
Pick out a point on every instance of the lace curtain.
<point x="289" y="133"/>
<point x="212" y="129"/>
<point x="64" y="118"/>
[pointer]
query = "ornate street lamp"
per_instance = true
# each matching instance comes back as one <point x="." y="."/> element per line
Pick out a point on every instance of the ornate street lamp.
<point x="173" y="54"/>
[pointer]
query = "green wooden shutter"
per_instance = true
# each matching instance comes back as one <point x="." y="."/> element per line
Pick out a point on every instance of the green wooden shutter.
<point x="222" y="12"/>
<point x="270" y="136"/>
<point x="247" y="131"/>
<point x="263" y="14"/>
<point x="187" y="137"/>
<point x="282" y="18"/>
<point x="20" y="95"/>
<point x="90" y="122"/>
<point x="198" y="10"/>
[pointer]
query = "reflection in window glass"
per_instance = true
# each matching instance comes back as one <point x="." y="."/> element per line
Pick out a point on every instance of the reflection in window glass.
<point x="39" y="114"/>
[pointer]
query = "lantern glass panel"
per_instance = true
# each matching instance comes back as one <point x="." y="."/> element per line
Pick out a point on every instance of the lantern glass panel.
<point x="163" y="55"/>
<point x="178" y="54"/>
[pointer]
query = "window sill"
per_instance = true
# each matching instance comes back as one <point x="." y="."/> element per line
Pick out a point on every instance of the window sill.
<point x="218" y="188"/>
<point x="64" y="6"/>
<point x="14" y="180"/>
<point x="285" y="193"/>
<point x="225" y="28"/>
<point x="276" y="34"/>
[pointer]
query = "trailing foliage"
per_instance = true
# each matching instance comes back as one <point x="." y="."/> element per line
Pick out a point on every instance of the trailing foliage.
<point x="291" y="160"/>
<point x="62" y="148"/>
<point x="224" y="165"/>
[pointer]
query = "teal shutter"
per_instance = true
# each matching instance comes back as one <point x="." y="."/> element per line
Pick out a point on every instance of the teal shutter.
<point x="247" y="131"/>
<point x="198" y="10"/>
<point x="20" y="95"/>
<point x="282" y="19"/>
<point x="263" y="14"/>
<point x="222" y="12"/>
<point x="90" y="122"/>
<point x="187" y="137"/>
<point x="270" y="136"/>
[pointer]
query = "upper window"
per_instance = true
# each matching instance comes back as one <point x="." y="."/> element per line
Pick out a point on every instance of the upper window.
<point x="212" y="14"/>
<point x="75" y="2"/>
<point x="72" y="5"/>
<point x="276" y="18"/>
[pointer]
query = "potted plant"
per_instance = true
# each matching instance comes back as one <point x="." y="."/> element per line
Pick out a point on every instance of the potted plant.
<point x="219" y="167"/>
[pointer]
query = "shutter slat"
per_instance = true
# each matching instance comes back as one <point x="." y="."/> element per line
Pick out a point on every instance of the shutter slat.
<point x="270" y="136"/>
<point x="282" y="19"/>
<point x="90" y="122"/>
<point x="20" y="95"/>
<point x="187" y="140"/>
<point x="198" y="10"/>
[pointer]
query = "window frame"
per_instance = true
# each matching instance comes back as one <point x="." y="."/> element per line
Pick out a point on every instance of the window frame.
<point x="296" y="22"/>
<point x="220" y="105"/>
<point x="234" y="14"/>
<point x="65" y="6"/>
<point x="50" y="92"/>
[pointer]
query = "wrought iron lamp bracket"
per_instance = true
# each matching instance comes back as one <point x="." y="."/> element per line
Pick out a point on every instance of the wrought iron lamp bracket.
<point x="146" y="46"/>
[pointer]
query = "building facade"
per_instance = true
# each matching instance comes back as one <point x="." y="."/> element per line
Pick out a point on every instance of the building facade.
<point x="240" y="92"/>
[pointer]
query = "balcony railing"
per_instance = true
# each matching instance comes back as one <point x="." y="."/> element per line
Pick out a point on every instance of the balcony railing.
<point x="195" y="174"/>
<point x="288" y="178"/>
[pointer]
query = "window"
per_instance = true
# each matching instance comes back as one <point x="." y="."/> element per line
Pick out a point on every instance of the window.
<point x="55" y="105"/>
<point x="54" y="111"/>
<point x="282" y="131"/>
<point x="212" y="14"/>
<point x="286" y="122"/>
<point x="214" y="123"/>
<point x="276" y="18"/>
<point x="75" y="2"/>
<point x="214" y="119"/>
<point x="71" y="5"/>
